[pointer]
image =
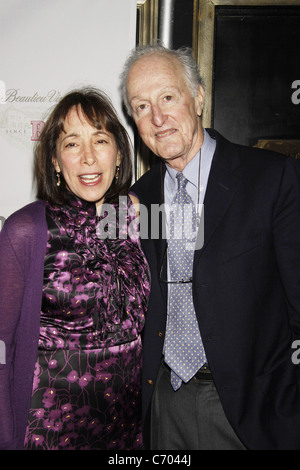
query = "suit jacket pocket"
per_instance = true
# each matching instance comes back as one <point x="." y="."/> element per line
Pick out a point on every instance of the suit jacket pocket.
<point x="280" y="379"/>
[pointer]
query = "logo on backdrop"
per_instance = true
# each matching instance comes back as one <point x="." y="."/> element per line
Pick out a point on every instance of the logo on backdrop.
<point x="20" y="115"/>
<point x="13" y="95"/>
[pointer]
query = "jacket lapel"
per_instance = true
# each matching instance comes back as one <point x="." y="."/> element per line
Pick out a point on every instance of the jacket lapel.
<point x="153" y="198"/>
<point x="160" y="243"/>
<point x="222" y="184"/>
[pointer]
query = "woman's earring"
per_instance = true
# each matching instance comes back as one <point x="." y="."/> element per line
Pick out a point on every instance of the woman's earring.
<point x="117" y="172"/>
<point x="58" y="179"/>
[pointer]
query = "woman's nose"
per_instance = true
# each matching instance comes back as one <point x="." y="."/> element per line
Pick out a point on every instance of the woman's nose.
<point x="89" y="155"/>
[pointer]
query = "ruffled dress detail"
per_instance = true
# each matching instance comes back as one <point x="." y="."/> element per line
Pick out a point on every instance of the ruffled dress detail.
<point x="87" y="378"/>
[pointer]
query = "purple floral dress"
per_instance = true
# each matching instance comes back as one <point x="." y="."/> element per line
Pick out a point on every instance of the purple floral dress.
<point x="87" y="379"/>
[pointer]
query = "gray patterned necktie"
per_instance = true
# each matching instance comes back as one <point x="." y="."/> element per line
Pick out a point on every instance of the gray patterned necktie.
<point x="184" y="352"/>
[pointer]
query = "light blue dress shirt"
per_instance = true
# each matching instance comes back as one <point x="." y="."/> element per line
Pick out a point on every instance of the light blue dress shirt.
<point x="191" y="172"/>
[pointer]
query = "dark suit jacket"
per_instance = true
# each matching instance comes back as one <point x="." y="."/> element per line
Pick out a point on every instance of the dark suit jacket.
<point x="246" y="288"/>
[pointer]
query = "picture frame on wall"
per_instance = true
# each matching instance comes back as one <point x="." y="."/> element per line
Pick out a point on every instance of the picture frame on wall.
<point x="247" y="52"/>
<point x="146" y="33"/>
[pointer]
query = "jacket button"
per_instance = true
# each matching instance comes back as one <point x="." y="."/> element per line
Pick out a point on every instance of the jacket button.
<point x="160" y="334"/>
<point x="150" y="382"/>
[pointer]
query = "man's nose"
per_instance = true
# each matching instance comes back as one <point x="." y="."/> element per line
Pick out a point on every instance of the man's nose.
<point x="157" y="117"/>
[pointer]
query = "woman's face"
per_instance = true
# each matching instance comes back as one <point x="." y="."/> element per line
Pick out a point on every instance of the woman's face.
<point x="87" y="157"/>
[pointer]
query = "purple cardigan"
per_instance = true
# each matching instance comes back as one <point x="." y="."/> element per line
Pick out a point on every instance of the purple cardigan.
<point x="23" y="240"/>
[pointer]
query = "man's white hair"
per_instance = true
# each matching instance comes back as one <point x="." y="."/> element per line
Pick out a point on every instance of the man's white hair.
<point x="183" y="55"/>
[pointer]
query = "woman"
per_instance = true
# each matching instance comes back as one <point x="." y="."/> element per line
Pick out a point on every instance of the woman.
<point x="72" y="297"/>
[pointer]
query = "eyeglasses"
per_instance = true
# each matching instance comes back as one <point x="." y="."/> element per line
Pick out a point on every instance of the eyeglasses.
<point x="166" y="281"/>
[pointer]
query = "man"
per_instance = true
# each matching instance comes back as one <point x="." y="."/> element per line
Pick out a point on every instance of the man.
<point x="236" y="386"/>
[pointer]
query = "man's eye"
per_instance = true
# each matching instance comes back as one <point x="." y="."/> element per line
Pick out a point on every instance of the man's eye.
<point x="168" y="98"/>
<point x="141" y="107"/>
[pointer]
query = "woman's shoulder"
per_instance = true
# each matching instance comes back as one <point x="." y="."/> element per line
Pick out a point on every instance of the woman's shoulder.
<point x="25" y="221"/>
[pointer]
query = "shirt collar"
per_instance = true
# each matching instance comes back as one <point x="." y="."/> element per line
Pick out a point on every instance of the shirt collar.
<point x="191" y="171"/>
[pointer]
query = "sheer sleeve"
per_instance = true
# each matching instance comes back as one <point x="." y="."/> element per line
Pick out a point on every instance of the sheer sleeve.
<point x="12" y="250"/>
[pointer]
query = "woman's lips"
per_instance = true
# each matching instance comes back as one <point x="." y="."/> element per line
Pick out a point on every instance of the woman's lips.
<point x="90" y="180"/>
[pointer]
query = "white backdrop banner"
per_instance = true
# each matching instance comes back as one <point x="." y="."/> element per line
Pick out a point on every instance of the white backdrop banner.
<point x="48" y="48"/>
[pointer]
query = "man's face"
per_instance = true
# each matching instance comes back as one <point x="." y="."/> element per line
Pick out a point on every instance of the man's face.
<point x="165" y="112"/>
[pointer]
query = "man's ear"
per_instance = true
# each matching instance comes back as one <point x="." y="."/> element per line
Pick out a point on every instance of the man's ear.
<point x="200" y="100"/>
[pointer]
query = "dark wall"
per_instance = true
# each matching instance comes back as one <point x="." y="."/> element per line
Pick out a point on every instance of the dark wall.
<point x="256" y="61"/>
<point x="183" y="23"/>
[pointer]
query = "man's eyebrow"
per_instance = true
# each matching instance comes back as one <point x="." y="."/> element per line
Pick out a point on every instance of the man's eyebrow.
<point x="161" y="92"/>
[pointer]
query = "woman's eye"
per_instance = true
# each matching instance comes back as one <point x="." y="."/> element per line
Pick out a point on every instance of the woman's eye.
<point x="70" y="144"/>
<point x="168" y="98"/>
